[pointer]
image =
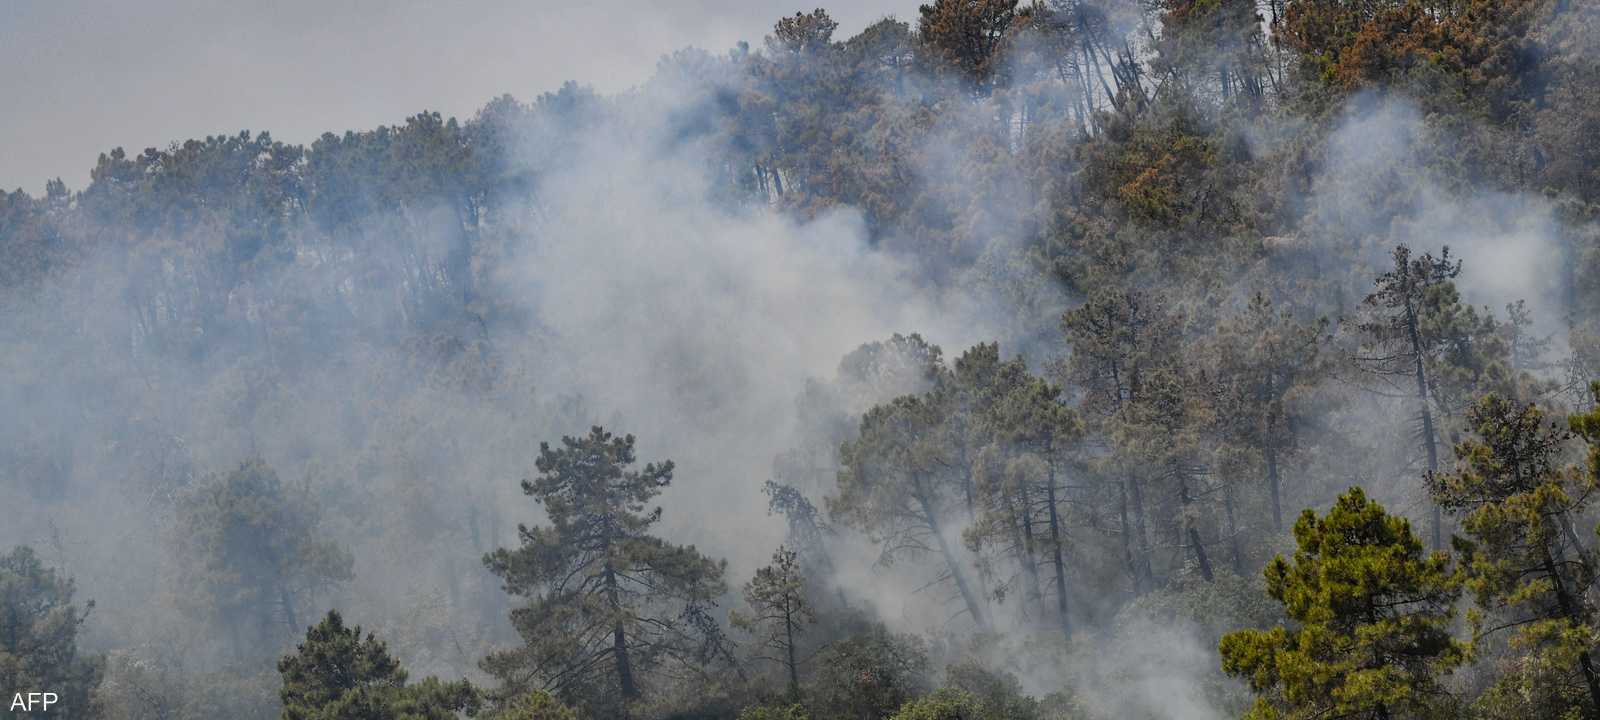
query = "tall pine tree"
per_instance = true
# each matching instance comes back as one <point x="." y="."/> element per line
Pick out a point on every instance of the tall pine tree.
<point x="610" y="607"/>
<point x="1528" y="567"/>
<point x="337" y="675"/>
<point x="39" y="638"/>
<point x="1372" y="613"/>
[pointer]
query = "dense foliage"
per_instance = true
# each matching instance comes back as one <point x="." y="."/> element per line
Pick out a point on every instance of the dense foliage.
<point x="337" y="675"/>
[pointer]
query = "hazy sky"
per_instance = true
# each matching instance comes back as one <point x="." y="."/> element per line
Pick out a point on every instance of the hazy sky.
<point x="80" y="78"/>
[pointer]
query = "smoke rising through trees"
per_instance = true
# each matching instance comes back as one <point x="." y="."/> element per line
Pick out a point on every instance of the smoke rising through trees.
<point x="976" y="365"/>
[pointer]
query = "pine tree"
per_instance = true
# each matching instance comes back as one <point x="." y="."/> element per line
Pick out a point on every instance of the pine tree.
<point x="250" y="547"/>
<point x="965" y="36"/>
<point x="1527" y="350"/>
<point x="897" y="486"/>
<point x="1123" y="366"/>
<point x="1372" y="615"/>
<point x="944" y="704"/>
<point x="1034" y="419"/>
<point x="536" y="705"/>
<point x="777" y="597"/>
<point x="1263" y="358"/>
<point x="868" y="675"/>
<point x="1526" y="563"/>
<point x="1005" y="523"/>
<point x="807" y="533"/>
<point x="609" y="606"/>
<point x="39" y="638"/>
<point x="804" y="33"/>
<point x="337" y="675"/>
<point x="967" y="396"/>
<point x="1398" y="342"/>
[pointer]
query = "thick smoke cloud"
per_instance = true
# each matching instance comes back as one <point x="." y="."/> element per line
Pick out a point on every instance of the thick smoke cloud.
<point x="1379" y="157"/>
<point x="649" y="305"/>
<point x="697" y="327"/>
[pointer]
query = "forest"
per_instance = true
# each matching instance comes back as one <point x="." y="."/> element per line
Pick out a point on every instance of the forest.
<point x="1051" y="360"/>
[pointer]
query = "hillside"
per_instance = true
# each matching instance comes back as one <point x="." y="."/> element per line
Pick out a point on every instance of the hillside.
<point x="1078" y="359"/>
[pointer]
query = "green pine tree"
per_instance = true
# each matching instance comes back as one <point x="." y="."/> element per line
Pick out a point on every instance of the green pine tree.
<point x="777" y="599"/>
<point x="609" y="606"/>
<point x="1034" y="420"/>
<point x="944" y="704"/>
<point x="249" y="546"/>
<point x="536" y="705"/>
<point x="1527" y="566"/>
<point x="337" y="675"/>
<point x="39" y="638"/>
<point x="899" y="482"/>
<point x="1372" y="612"/>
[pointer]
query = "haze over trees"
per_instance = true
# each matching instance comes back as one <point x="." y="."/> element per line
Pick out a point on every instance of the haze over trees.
<point x="612" y="609"/>
<point x="1059" y="360"/>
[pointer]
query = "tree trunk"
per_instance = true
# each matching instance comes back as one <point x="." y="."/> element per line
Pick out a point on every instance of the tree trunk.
<point x="1132" y="65"/>
<point x="619" y="638"/>
<point x="1569" y="608"/>
<point x="950" y="559"/>
<point x="1568" y="605"/>
<point x="1233" y="531"/>
<point x="1577" y="544"/>
<point x="1427" y="422"/>
<point x="1061" y="568"/>
<point x="1190" y="533"/>
<point x="794" y="670"/>
<point x="1092" y="64"/>
<point x="1087" y="92"/>
<point x="1200" y="554"/>
<point x="1030" y="566"/>
<point x="288" y="611"/>
<point x="1437" y="521"/>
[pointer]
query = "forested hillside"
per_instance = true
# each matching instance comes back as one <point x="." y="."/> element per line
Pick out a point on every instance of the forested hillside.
<point x="1078" y="359"/>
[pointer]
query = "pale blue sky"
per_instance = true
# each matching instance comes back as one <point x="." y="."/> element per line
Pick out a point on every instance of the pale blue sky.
<point x="78" y="78"/>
